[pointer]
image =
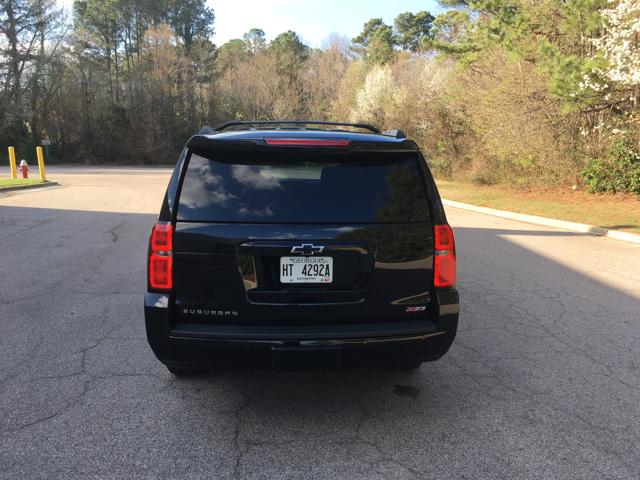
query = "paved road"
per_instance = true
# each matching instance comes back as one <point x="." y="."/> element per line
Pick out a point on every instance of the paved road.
<point x="542" y="381"/>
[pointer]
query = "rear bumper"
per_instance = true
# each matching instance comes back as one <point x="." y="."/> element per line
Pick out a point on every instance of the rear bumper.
<point x="325" y="346"/>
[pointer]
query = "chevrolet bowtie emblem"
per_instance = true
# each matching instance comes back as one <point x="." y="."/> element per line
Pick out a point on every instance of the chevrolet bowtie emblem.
<point x="307" y="249"/>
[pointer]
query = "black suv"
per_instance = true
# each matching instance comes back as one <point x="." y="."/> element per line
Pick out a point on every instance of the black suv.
<point x="298" y="247"/>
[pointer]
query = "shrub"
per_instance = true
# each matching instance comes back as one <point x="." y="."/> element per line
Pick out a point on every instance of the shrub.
<point x="618" y="173"/>
<point x="441" y="168"/>
<point x="483" y="178"/>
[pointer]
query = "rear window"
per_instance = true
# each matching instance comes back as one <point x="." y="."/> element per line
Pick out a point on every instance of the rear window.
<point x="276" y="187"/>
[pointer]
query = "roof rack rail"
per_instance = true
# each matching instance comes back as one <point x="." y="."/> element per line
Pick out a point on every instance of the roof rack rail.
<point x="294" y="122"/>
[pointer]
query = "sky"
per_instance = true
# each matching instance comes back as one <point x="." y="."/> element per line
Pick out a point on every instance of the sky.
<point x="312" y="20"/>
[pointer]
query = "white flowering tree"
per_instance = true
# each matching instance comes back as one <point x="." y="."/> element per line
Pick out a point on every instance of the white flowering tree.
<point x="620" y="44"/>
<point x="610" y="85"/>
<point x="617" y="81"/>
<point x="380" y="101"/>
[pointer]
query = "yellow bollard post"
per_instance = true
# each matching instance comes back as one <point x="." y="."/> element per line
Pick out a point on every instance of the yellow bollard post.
<point x="12" y="162"/>
<point x="41" y="163"/>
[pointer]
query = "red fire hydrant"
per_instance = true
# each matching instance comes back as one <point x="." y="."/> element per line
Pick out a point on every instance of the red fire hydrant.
<point x="24" y="168"/>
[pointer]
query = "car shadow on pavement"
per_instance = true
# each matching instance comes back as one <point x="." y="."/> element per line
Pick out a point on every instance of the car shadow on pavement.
<point x="530" y="365"/>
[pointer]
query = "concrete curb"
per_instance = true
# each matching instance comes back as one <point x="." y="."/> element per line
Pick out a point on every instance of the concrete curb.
<point x="574" y="227"/>
<point x="13" y="188"/>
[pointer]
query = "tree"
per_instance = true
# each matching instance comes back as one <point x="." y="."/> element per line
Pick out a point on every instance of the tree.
<point x="231" y="54"/>
<point x="99" y="19"/>
<point x="321" y="81"/>
<point x="620" y="44"/>
<point x="339" y="43"/>
<point x="25" y="28"/>
<point x="350" y="84"/>
<point x="375" y="44"/>
<point x="413" y="29"/>
<point x="552" y="34"/>
<point x="448" y="29"/>
<point x="290" y="55"/>
<point x="23" y="24"/>
<point x="255" y="40"/>
<point x="380" y="101"/>
<point x="191" y="19"/>
<point x="162" y="66"/>
<point x="288" y="43"/>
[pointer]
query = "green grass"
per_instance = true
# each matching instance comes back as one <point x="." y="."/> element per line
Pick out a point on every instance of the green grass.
<point x="619" y="212"/>
<point x="8" y="182"/>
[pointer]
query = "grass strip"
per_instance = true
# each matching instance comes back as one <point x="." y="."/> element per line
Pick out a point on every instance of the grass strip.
<point x="9" y="182"/>
<point x="617" y="212"/>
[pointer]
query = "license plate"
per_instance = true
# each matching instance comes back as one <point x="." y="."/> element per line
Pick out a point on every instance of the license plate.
<point x="309" y="269"/>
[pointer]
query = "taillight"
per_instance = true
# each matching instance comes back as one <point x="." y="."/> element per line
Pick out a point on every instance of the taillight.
<point x="161" y="257"/>
<point x="445" y="258"/>
<point x="162" y="238"/>
<point x="308" y="142"/>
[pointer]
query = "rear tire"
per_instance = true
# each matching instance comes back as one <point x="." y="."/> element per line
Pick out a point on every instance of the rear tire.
<point x="181" y="371"/>
<point x="407" y="366"/>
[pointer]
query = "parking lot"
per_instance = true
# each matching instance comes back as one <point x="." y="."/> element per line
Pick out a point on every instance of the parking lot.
<point x="542" y="380"/>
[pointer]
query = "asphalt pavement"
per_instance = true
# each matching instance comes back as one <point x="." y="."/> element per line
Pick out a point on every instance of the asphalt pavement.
<point x="541" y="382"/>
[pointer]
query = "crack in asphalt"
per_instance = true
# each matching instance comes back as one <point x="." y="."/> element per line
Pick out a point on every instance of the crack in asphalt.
<point x="82" y="371"/>
<point x="48" y="295"/>
<point x="11" y="223"/>
<point x="114" y="235"/>
<point x="383" y="456"/>
<point x="236" y="437"/>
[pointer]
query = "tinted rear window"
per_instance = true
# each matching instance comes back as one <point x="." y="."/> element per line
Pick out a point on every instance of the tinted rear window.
<point x="272" y="187"/>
